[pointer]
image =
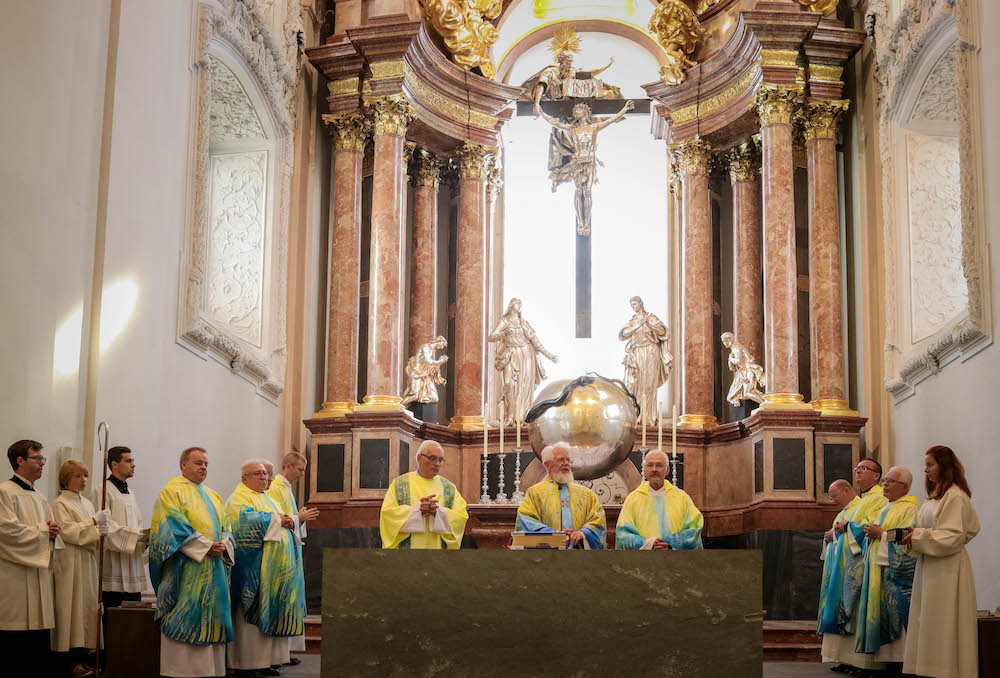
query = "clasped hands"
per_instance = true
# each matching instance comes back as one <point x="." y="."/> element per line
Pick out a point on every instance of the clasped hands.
<point x="217" y="549"/>
<point x="54" y="528"/>
<point x="428" y="505"/>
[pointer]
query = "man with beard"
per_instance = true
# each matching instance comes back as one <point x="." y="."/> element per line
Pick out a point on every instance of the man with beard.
<point x="558" y="504"/>
<point x="657" y="515"/>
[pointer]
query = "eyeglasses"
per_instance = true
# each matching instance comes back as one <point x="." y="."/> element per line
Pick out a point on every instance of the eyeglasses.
<point x="259" y="474"/>
<point x="38" y="457"/>
<point x="433" y="460"/>
<point x="859" y="467"/>
<point x="892" y="480"/>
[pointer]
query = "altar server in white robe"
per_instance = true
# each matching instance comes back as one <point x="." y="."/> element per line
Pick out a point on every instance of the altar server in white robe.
<point x="190" y="553"/>
<point x="28" y="536"/>
<point x="941" y="637"/>
<point x="124" y="576"/>
<point x="75" y="571"/>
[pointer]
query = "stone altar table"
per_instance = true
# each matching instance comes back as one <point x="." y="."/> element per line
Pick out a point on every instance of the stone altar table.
<point x="494" y="614"/>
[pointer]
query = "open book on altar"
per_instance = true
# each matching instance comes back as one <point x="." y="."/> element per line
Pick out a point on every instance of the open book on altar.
<point x="539" y="540"/>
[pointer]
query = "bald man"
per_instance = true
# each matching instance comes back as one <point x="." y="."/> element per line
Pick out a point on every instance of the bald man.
<point x="656" y="515"/>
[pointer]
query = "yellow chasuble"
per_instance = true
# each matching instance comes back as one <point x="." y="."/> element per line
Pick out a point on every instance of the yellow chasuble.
<point x="641" y="519"/>
<point x="280" y="493"/>
<point x="403" y="527"/>
<point x="543" y="508"/>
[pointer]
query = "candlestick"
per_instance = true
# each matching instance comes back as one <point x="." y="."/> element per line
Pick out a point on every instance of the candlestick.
<point x="484" y="498"/>
<point x="518" y="496"/>
<point x="659" y="426"/>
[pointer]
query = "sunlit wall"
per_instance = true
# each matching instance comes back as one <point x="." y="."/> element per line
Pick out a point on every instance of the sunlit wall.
<point x="629" y="232"/>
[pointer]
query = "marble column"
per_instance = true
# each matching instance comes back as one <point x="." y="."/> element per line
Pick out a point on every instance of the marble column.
<point x="698" y="406"/>
<point x="748" y="300"/>
<point x="819" y="119"/>
<point x="470" y="300"/>
<point x="351" y="132"/>
<point x="423" y="286"/>
<point x="391" y="116"/>
<point x="776" y="104"/>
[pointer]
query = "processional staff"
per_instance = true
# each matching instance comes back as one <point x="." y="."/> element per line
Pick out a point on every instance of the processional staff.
<point x="100" y="546"/>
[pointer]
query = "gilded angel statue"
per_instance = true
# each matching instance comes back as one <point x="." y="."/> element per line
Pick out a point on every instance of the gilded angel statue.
<point x="424" y="372"/>
<point x="676" y="29"/>
<point x="517" y="361"/>
<point x="748" y="376"/>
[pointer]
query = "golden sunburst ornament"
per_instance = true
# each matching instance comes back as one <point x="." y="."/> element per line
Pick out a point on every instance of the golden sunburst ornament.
<point x="565" y="40"/>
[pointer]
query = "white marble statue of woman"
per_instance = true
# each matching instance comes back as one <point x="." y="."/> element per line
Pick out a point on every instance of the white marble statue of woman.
<point x="647" y="359"/>
<point x="517" y="361"/>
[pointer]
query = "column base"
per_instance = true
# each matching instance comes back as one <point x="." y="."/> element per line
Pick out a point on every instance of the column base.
<point x="335" y="409"/>
<point x="381" y="403"/>
<point x="830" y="407"/>
<point x="784" y="401"/>
<point x="697" y="421"/>
<point x="473" y="422"/>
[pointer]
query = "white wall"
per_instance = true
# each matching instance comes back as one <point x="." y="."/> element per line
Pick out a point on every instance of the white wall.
<point x="957" y="407"/>
<point x="157" y="396"/>
<point x="52" y="83"/>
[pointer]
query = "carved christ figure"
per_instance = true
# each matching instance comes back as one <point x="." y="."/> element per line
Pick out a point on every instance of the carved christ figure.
<point x="517" y="361"/>
<point x="647" y="359"/>
<point x="573" y="155"/>
<point x="748" y="376"/>
<point x="424" y="372"/>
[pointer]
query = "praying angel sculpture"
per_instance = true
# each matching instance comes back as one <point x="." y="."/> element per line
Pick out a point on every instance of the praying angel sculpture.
<point x="424" y="372"/>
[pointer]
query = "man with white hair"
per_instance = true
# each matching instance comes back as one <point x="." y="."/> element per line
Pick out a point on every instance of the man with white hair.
<point x="558" y="504"/>
<point x="656" y="515"/>
<point x="422" y="509"/>
<point x="269" y="604"/>
<point x="884" y="607"/>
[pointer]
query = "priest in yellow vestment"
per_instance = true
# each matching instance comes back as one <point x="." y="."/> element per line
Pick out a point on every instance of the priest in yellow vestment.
<point x="558" y="504"/>
<point x="423" y="510"/>
<point x="656" y="515"/>
<point x="28" y="536"/>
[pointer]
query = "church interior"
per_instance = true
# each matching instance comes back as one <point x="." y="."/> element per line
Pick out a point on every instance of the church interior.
<point x="746" y="240"/>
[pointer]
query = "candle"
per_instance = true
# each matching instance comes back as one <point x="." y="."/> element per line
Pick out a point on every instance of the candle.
<point x="659" y="426"/>
<point x="501" y="427"/>
<point x="643" y="421"/>
<point x="518" y="434"/>
<point x="486" y="435"/>
<point x="673" y="445"/>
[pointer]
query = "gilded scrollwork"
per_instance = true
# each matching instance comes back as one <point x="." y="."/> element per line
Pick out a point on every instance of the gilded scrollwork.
<point x="824" y="7"/>
<point x="465" y="30"/>
<point x="350" y="130"/>
<point x="678" y="31"/>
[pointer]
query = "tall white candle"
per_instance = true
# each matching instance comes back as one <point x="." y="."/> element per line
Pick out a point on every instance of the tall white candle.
<point x="518" y="422"/>
<point x="501" y="427"/>
<point x="486" y="435"/>
<point x="659" y="426"/>
<point x="673" y="445"/>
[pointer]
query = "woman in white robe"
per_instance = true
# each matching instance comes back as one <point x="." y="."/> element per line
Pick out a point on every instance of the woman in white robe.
<point x="75" y="571"/>
<point x="941" y="636"/>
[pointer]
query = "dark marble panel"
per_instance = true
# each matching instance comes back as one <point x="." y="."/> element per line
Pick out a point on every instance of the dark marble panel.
<point x="758" y="466"/>
<point x="636" y="459"/>
<point x="837" y="463"/>
<point x="494" y="614"/>
<point x="404" y="457"/>
<point x="373" y="464"/>
<point x="792" y="569"/>
<point x="789" y="463"/>
<point x="330" y="467"/>
<point x="425" y="411"/>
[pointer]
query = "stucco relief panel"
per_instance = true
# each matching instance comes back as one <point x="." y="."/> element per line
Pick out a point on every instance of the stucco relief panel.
<point x="938" y="291"/>
<point x="232" y="114"/>
<point x="938" y="98"/>
<point x="236" y="253"/>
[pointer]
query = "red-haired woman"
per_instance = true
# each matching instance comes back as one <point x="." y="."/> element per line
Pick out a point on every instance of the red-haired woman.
<point x="941" y="634"/>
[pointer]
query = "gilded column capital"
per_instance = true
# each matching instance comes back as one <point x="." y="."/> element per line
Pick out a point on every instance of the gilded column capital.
<point x="692" y="156"/>
<point x="428" y="169"/>
<point x="819" y="117"/>
<point x="777" y="103"/>
<point x="674" y="184"/>
<point x="824" y="7"/>
<point x="473" y="161"/>
<point x="744" y="161"/>
<point x="350" y="130"/>
<point x="391" y="114"/>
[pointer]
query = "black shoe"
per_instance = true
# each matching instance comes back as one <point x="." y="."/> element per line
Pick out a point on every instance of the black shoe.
<point x="840" y="668"/>
<point x="294" y="661"/>
<point x="270" y="671"/>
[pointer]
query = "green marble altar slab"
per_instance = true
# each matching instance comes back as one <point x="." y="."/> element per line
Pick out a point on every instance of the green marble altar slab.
<point x="578" y="614"/>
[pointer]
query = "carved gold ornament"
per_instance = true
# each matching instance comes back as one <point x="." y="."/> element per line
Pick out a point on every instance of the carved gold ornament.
<point x="824" y="7"/>
<point x="704" y="5"/>
<point x="693" y="156"/>
<point x="428" y="170"/>
<point x="391" y="114"/>
<point x="776" y="103"/>
<point x="825" y="73"/>
<point x="744" y="161"/>
<point x="473" y="161"/>
<point x="565" y="40"/>
<point x="718" y="101"/>
<point x="350" y="130"/>
<point x="819" y="117"/>
<point x="677" y="30"/>
<point x="345" y="86"/>
<point x="466" y="33"/>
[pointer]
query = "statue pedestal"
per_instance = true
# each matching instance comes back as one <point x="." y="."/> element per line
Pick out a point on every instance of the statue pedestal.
<point x="425" y="412"/>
